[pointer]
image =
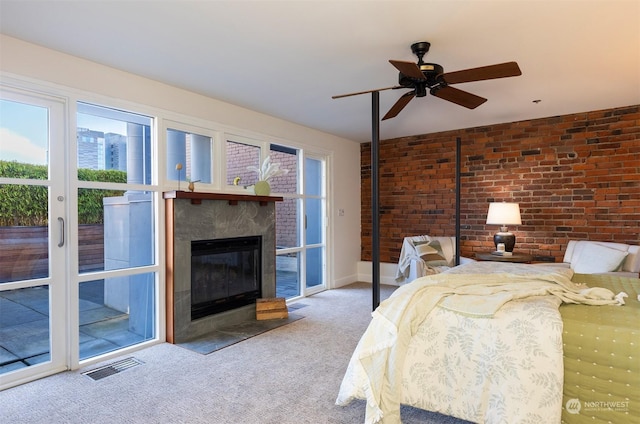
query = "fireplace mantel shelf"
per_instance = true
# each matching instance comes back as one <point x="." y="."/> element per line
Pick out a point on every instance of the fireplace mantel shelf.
<point x="196" y="198"/>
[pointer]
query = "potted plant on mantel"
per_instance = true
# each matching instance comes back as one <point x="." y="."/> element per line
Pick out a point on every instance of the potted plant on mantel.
<point x="265" y="172"/>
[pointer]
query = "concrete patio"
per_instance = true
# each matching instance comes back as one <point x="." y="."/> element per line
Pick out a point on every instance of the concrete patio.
<point x="24" y="323"/>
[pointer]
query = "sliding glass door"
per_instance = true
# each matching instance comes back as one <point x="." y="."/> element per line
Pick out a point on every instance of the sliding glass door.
<point x="78" y="234"/>
<point x="33" y="235"/>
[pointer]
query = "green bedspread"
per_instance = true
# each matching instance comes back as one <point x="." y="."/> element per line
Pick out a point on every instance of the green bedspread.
<point x="602" y="356"/>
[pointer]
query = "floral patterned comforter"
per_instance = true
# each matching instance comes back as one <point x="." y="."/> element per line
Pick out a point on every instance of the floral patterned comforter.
<point x="496" y="359"/>
<point x="503" y="370"/>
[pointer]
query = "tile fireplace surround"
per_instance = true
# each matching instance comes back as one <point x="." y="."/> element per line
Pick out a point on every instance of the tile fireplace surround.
<point x="201" y="216"/>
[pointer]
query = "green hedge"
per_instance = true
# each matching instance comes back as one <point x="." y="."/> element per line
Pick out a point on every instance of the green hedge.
<point x="25" y="205"/>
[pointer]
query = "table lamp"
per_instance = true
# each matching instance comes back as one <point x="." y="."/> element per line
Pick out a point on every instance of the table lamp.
<point x="504" y="214"/>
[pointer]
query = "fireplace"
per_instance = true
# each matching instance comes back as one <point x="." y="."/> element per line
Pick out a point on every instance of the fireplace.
<point x="225" y="274"/>
<point x="244" y="223"/>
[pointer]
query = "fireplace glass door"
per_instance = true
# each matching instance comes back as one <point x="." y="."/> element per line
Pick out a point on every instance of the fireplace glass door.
<point x="225" y="274"/>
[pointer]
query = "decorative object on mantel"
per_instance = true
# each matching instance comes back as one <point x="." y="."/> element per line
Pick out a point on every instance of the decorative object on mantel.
<point x="192" y="186"/>
<point x="266" y="171"/>
<point x="179" y="168"/>
<point x="262" y="188"/>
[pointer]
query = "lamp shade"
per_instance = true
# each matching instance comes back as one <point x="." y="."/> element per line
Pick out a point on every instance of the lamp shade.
<point x="503" y="213"/>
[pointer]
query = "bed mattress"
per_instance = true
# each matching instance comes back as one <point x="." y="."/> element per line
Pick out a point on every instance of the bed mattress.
<point x="602" y="356"/>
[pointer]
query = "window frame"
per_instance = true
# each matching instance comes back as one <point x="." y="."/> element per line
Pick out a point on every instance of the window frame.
<point x="215" y="152"/>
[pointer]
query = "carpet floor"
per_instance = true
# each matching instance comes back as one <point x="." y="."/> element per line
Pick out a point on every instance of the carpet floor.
<point x="287" y="375"/>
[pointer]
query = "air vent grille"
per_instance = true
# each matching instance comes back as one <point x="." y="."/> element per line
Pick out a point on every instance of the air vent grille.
<point x="115" y="368"/>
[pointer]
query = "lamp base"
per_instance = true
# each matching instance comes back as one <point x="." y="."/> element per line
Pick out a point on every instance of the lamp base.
<point x="509" y="240"/>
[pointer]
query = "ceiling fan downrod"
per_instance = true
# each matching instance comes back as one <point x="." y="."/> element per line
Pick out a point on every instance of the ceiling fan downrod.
<point x="420" y="49"/>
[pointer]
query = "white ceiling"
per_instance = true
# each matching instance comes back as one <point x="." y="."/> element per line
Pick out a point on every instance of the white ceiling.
<point x="287" y="58"/>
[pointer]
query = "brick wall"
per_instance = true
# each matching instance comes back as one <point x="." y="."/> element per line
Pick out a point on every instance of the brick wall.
<point x="239" y="156"/>
<point x="575" y="176"/>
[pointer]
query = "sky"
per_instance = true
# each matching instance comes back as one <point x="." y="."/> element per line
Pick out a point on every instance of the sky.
<point x="24" y="131"/>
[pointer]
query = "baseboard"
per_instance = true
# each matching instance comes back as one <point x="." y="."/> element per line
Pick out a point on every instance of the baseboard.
<point x="387" y="273"/>
<point x="345" y="281"/>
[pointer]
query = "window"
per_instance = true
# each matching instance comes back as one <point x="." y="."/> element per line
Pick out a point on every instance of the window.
<point x="116" y="229"/>
<point x="189" y="157"/>
<point x="113" y="141"/>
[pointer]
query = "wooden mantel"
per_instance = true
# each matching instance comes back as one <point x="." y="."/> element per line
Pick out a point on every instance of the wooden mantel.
<point x="197" y="198"/>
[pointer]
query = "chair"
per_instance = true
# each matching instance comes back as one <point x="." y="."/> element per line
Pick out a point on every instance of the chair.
<point x="411" y="265"/>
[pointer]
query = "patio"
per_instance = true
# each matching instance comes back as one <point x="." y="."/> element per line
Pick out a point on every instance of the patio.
<point x="24" y="323"/>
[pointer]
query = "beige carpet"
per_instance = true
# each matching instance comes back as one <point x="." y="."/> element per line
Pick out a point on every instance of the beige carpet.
<point x="288" y="375"/>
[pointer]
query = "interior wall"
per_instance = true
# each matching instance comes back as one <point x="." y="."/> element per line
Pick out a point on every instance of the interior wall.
<point x="33" y="63"/>
<point x="575" y="177"/>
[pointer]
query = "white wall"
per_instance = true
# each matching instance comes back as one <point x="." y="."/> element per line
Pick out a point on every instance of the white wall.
<point x="387" y="273"/>
<point x="34" y="63"/>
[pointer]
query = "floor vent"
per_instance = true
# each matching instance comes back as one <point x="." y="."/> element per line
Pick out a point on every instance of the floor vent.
<point x="115" y="368"/>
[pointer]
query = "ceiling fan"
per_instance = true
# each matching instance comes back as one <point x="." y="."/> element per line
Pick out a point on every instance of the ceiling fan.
<point x="422" y="76"/>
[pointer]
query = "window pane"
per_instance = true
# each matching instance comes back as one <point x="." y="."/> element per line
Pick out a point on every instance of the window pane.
<point x="24" y="328"/>
<point x="24" y="140"/>
<point x="313" y="177"/>
<point x="116" y="229"/>
<point x="115" y="142"/>
<point x="288" y="159"/>
<point x="287" y="275"/>
<point x="116" y="313"/>
<point x="239" y="157"/>
<point x="314" y="221"/>
<point x="24" y="235"/>
<point x="287" y="224"/>
<point x="315" y="266"/>
<point x="193" y="152"/>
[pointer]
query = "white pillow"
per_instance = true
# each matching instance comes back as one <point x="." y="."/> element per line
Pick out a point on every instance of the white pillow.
<point x="596" y="258"/>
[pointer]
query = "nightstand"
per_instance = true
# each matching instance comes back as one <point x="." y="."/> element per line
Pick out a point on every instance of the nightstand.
<point x="516" y="258"/>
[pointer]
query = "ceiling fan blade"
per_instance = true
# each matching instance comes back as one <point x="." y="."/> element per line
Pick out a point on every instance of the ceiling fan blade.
<point x="501" y="70"/>
<point x="458" y="97"/>
<point x="399" y="105"/>
<point x="409" y="69"/>
<point x="365" y="92"/>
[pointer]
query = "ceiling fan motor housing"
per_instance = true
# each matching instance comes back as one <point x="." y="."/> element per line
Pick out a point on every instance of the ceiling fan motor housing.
<point x="431" y="72"/>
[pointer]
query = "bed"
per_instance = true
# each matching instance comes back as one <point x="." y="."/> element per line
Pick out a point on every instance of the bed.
<point x="502" y="343"/>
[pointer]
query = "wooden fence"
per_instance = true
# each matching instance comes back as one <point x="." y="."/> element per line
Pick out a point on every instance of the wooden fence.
<point x="24" y="252"/>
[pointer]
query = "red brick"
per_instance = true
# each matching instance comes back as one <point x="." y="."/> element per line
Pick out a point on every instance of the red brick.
<point x="579" y="178"/>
